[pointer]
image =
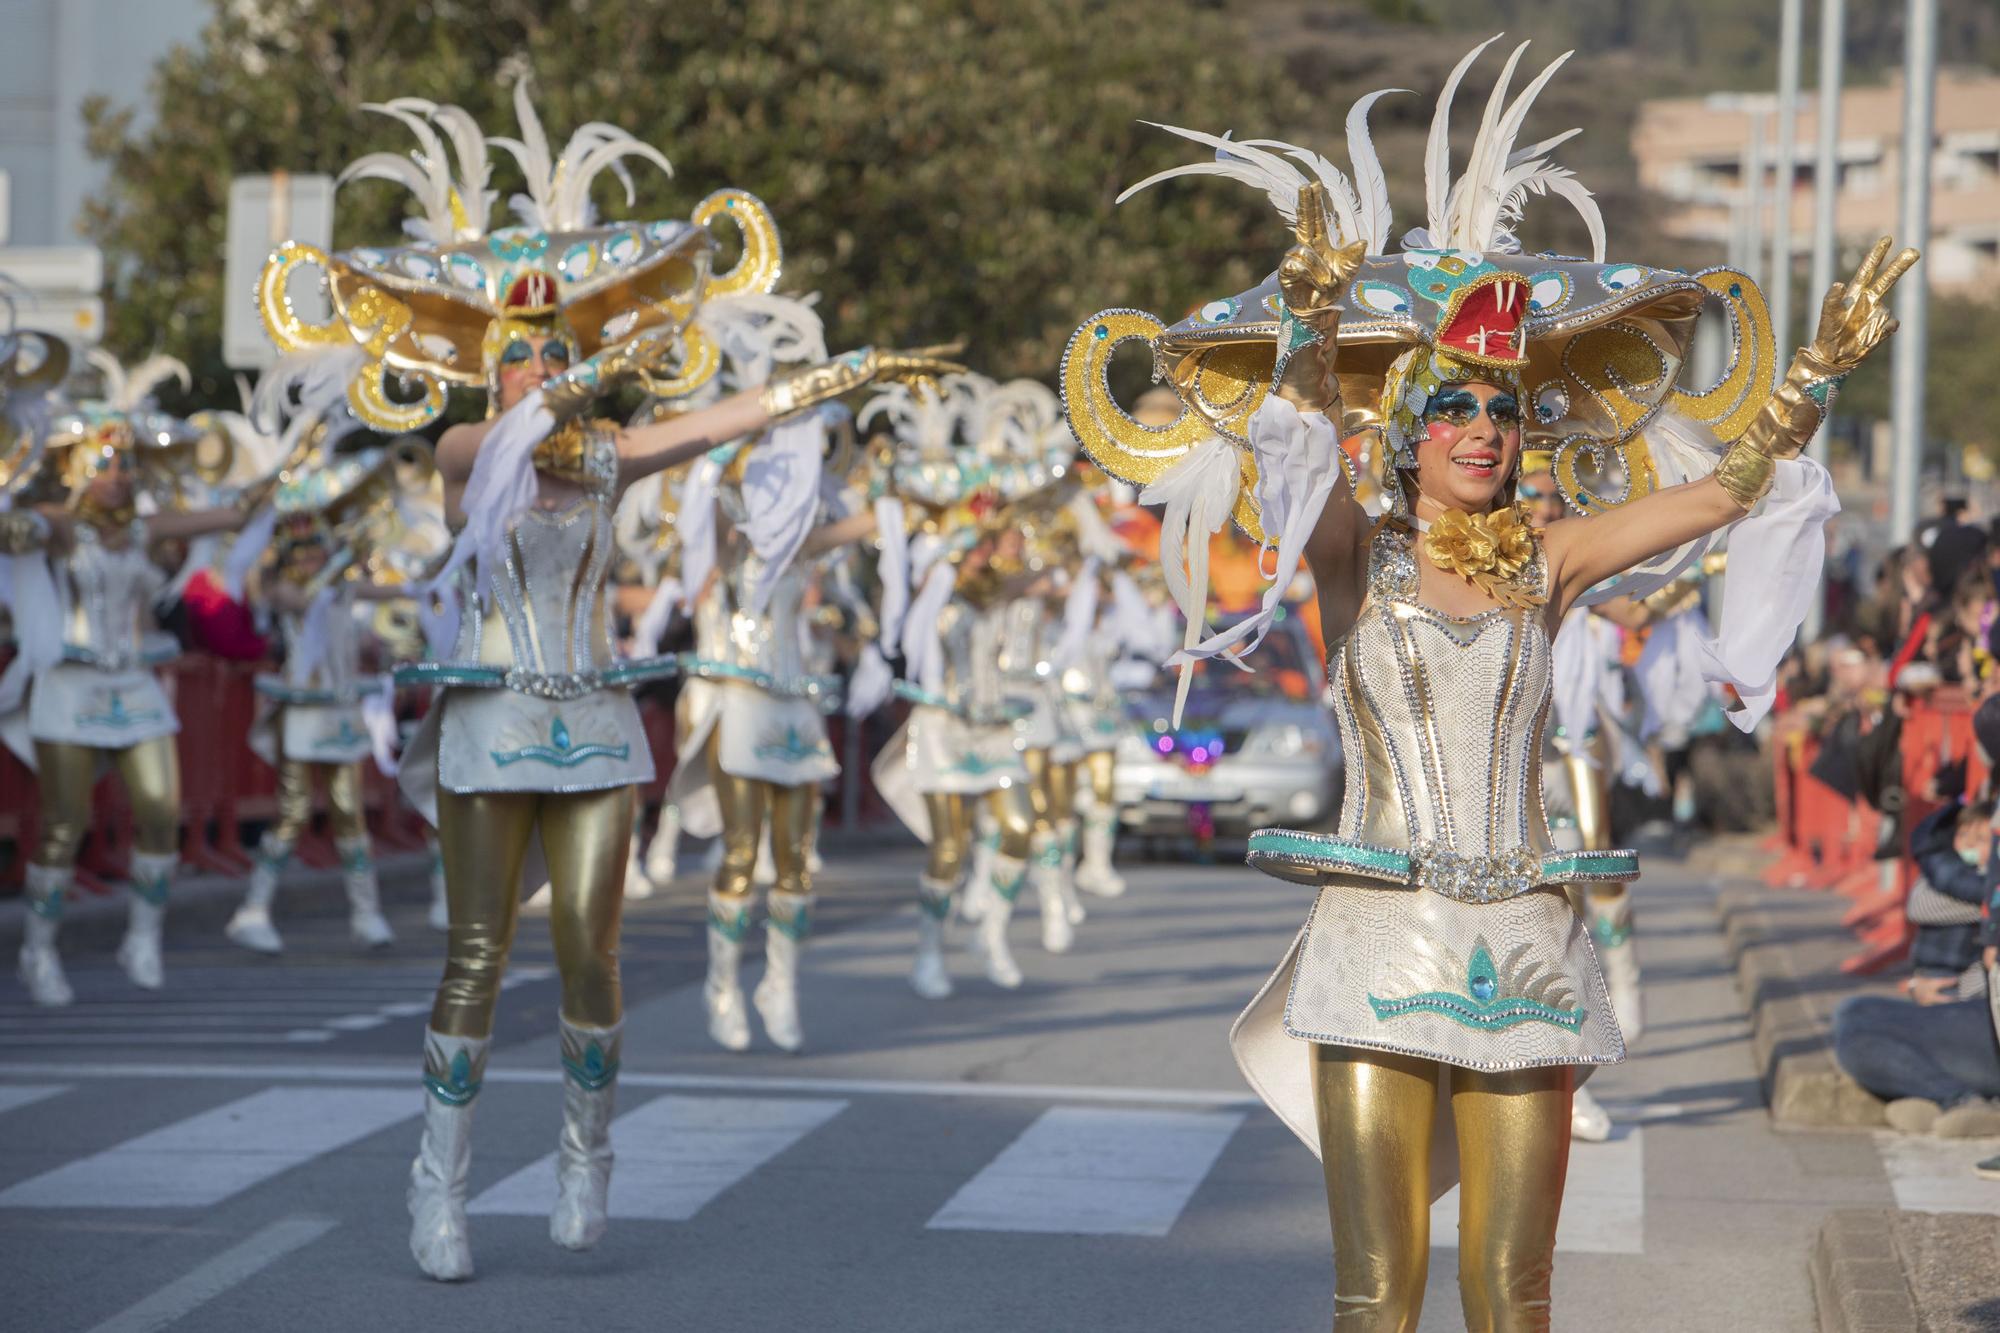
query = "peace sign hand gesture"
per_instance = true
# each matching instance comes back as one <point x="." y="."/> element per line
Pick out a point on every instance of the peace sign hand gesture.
<point x="1854" y="318"/>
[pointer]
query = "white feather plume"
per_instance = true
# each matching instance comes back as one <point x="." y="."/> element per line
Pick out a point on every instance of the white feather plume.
<point x="558" y="197"/>
<point x="1437" y="150"/>
<point x="1278" y="179"/>
<point x="127" y="388"/>
<point x="1371" y="186"/>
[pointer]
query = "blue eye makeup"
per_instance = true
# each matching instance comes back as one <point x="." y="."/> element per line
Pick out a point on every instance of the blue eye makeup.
<point x="516" y="352"/>
<point x="1461" y="408"/>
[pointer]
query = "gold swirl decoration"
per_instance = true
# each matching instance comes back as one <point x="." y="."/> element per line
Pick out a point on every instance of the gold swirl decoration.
<point x="1592" y="494"/>
<point x="700" y="359"/>
<point x="274" y="299"/>
<point x="1728" y="406"/>
<point x="763" y="257"/>
<point x="1129" y="449"/>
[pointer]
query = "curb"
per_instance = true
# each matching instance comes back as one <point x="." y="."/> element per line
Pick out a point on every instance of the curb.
<point x="1857" y="1275"/>
<point x="1787" y="949"/>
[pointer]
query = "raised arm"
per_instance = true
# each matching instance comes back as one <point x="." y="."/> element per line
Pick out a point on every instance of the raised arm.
<point x="1854" y="320"/>
<point x="841" y="532"/>
<point x="196" y="522"/>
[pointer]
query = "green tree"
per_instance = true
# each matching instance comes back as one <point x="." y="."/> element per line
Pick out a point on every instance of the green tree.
<point x="938" y="167"/>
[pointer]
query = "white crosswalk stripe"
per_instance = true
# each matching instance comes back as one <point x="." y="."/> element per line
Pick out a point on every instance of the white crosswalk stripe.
<point x="209" y="1157"/>
<point x="675" y="1154"/>
<point x="1604" y="1202"/>
<point x="1093" y="1171"/>
<point x="16" y="1095"/>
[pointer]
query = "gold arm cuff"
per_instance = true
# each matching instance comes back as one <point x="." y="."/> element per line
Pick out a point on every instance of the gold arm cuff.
<point x="1745" y="472"/>
<point x="1792" y="414"/>
<point x="21" y="531"/>
<point x="791" y="393"/>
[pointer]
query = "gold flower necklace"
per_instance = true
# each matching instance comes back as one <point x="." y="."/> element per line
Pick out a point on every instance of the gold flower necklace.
<point x="1489" y="551"/>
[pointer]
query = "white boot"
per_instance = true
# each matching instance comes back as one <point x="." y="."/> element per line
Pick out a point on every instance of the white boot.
<point x="251" y="927"/>
<point x="777" y="995"/>
<point x="1009" y="873"/>
<point x="722" y="993"/>
<point x="1058" y="932"/>
<point x="41" y="964"/>
<point x="1587" y="1120"/>
<point x="139" y="955"/>
<point x="440" y="904"/>
<point x="439" y="1240"/>
<point x="978" y="893"/>
<point x="365" y="921"/>
<point x="765" y="873"/>
<point x="583" y="1158"/>
<point x="663" y="853"/>
<point x="1066" y="867"/>
<point x="928" y="975"/>
<point x="1611" y="931"/>
<point x="1095" y="874"/>
<point x="638" y="884"/>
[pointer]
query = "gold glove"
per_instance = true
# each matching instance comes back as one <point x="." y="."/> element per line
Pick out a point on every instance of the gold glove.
<point x="1313" y="275"/>
<point x="791" y="393"/>
<point x="1853" y="320"/>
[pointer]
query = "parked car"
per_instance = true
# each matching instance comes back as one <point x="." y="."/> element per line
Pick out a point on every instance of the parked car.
<point x="1253" y="748"/>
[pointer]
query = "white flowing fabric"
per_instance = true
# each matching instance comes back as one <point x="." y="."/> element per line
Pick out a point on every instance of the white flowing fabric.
<point x="1199" y="491"/>
<point x="923" y="651"/>
<point x="1669" y="673"/>
<point x="28" y="590"/>
<point x="1079" y="618"/>
<point x="247" y="550"/>
<point x="892" y="568"/>
<point x="1777" y="552"/>
<point x="781" y="498"/>
<point x="697" y="524"/>
<point x="311" y="648"/>
<point x="1575" y="664"/>
<point x="652" y="623"/>
<point x="378" y="714"/>
<point x="869" y="685"/>
<point x="502" y="486"/>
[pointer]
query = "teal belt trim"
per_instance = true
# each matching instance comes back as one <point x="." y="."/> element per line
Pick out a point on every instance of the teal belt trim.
<point x="150" y="657"/>
<point x="916" y="694"/>
<point x="476" y="675"/>
<point x="823" y="691"/>
<point x="1306" y="858"/>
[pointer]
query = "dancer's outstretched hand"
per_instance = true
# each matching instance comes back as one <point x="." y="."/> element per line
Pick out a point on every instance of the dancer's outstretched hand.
<point x="1854" y="318"/>
<point x="1315" y="272"/>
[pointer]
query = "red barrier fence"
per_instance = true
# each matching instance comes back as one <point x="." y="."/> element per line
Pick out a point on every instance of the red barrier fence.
<point x="225" y="787"/>
<point x="1828" y="841"/>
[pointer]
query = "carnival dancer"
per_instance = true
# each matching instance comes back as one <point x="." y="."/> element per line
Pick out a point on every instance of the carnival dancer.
<point x="82" y="693"/>
<point x="1473" y="988"/>
<point x="532" y="733"/>
<point x="1096" y="706"/>
<point x="335" y="520"/>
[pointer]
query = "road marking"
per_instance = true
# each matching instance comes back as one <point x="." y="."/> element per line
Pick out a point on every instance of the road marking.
<point x="1604" y="1201"/>
<point x="675" y="1155"/>
<point x="406" y="1072"/>
<point x="198" y="1286"/>
<point x="14" y="1096"/>
<point x="219" y="1037"/>
<point x="209" y="1157"/>
<point x="1092" y="1171"/>
<point x="1935" y="1175"/>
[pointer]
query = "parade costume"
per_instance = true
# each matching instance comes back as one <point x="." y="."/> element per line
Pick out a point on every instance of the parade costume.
<point x="957" y="757"/>
<point x="532" y="736"/>
<point x="1441" y="967"/>
<point x="339" y="525"/>
<point x="81" y="695"/>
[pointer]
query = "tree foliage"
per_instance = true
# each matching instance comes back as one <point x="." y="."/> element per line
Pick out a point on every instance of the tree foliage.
<point x="938" y="167"/>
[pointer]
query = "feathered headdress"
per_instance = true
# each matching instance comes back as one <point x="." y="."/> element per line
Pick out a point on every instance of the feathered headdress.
<point x="166" y="451"/>
<point x="411" y="321"/>
<point x="1598" y="346"/>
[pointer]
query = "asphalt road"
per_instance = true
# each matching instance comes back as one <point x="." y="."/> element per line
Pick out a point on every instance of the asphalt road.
<point x="230" y="1154"/>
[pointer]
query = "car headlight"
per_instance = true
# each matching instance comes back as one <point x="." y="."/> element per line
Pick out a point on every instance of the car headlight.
<point x="1286" y="741"/>
<point x="1132" y="749"/>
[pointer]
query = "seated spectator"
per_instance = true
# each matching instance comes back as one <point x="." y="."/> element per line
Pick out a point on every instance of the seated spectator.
<point x="1937" y="1065"/>
<point x="1951" y="848"/>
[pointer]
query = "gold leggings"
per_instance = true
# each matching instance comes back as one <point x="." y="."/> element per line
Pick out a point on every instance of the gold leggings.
<point x="746" y="804"/>
<point x="951" y="835"/>
<point x="1052" y="788"/>
<point x="1375" y="1113"/>
<point x="344" y="813"/>
<point x="483" y="837"/>
<point x="1099" y="765"/>
<point x="1589" y="786"/>
<point x="66" y="773"/>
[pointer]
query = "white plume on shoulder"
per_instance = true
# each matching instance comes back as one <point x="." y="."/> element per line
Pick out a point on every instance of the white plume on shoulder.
<point x="759" y="332"/>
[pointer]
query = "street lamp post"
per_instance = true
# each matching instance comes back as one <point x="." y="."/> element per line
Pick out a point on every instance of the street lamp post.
<point x="1913" y="293"/>
<point x="1783" y="177"/>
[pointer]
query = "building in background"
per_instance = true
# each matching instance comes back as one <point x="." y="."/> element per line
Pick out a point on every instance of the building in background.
<point x="1694" y="151"/>
<point x="55" y="55"/>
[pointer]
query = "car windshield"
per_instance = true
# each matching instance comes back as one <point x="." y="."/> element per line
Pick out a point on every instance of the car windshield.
<point x="1281" y="668"/>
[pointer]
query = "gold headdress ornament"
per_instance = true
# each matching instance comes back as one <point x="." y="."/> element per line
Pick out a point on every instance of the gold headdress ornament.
<point x="165" y="452"/>
<point x="1598" y="347"/>
<point x="32" y="365"/>
<point x="438" y="313"/>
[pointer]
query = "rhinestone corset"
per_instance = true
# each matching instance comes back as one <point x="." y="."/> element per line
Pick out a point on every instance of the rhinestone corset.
<point x="104" y="592"/>
<point x="1440" y="718"/>
<point x="543" y="619"/>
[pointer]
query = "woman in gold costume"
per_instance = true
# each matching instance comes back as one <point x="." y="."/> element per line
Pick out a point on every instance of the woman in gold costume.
<point x="1433" y="1016"/>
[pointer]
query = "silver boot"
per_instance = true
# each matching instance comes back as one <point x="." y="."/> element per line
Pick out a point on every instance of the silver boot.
<point x="252" y="927"/>
<point x="1058" y="930"/>
<point x="440" y="904"/>
<point x="1611" y="930"/>
<point x="1009" y="874"/>
<point x="1095" y="873"/>
<point x="928" y="975"/>
<point x="583" y="1159"/>
<point x="365" y="921"/>
<point x="664" y="851"/>
<point x="139" y="955"/>
<point x="41" y="964"/>
<point x="439" y="1239"/>
<point x="638" y="884"/>
<point x="722" y="993"/>
<point x="777" y="995"/>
